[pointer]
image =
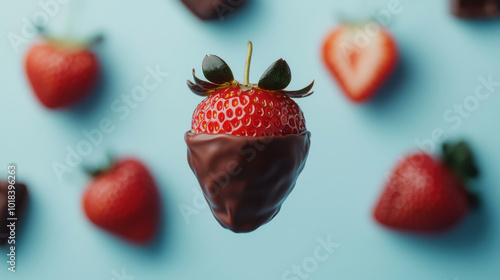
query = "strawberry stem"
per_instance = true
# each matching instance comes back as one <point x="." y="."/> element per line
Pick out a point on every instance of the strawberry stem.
<point x="96" y="39"/>
<point x="77" y="44"/>
<point x="42" y="31"/>
<point x="104" y="167"/>
<point x="247" y="64"/>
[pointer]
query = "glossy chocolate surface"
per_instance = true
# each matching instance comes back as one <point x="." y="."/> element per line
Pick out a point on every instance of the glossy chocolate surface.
<point x="213" y="9"/>
<point x="474" y="8"/>
<point x="21" y="197"/>
<point x="245" y="180"/>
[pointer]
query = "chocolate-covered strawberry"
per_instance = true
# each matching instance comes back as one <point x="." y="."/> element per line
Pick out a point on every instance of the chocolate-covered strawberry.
<point x="248" y="142"/>
<point x="212" y="9"/>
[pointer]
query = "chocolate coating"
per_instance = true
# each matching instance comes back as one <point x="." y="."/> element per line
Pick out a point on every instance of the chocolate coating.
<point x="21" y="200"/>
<point x="474" y="8"/>
<point x="246" y="179"/>
<point x="212" y="9"/>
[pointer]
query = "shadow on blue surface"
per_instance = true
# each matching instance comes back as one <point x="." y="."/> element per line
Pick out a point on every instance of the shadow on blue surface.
<point x="471" y="234"/>
<point x="91" y="103"/>
<point x="393" y="88"/>
<point x="151" y="253"/>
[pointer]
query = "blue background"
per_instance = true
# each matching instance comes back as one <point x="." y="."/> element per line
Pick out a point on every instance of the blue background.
<point x="353" y="149"/>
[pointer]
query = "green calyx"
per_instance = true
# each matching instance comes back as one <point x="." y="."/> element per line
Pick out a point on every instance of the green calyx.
<point x="104" y="167"/>
<point x="69" y="43"/>
<point x="219" y="75"/>
<point x="459" y="158"/>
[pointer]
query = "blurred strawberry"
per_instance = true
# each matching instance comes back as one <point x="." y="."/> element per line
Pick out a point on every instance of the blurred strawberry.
<point x="360" y="60"/>
<point x="428" y="195"/>
<point x="124" y="200"/>
<point x="212" y="9"/>
<point x="62" y="72"/>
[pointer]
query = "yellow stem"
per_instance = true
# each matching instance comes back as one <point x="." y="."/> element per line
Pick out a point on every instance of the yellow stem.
<point x="247" y="64"/>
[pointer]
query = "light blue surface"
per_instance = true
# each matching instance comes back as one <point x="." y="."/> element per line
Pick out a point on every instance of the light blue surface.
<point x="353" y="147"/>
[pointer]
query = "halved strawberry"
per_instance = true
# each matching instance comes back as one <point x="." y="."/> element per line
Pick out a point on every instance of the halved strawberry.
<point x="361" y="58"/>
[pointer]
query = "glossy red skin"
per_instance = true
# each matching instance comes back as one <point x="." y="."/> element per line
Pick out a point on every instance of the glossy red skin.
<point x="252" y="112"/>
<point x="422" y="195"/>
<point x="125" y="201"/>
<point x="60" y="77"/>
<point x="390" y="55"/>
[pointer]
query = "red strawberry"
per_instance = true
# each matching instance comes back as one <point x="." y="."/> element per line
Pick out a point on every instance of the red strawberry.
<point x="124" y="200"/>
<point x="253" y="112"/>
<point x="360" y="58"/>
<point x="264" y="109"/>
<point x="61" y="73"/>
<point x="248" y="142"/>
<point x="428" y="195"/>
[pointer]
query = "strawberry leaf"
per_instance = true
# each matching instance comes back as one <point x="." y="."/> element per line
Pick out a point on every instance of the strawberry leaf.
<point x="202" y="83"/>
<point x="277" y="76"/>
<point x="216" y="70"/>
<point x="459" y="158"/>
<point x="198" y="90"/>
<point x="305" y="92"/>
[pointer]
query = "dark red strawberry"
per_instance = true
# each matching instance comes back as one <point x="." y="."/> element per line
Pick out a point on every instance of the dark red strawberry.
<point x="425" y="194"/>
<point x="360" y="58"/>
<point x="248" y="142"/>
<point x="124" y="200"/>
<point x="61" y="73"/>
